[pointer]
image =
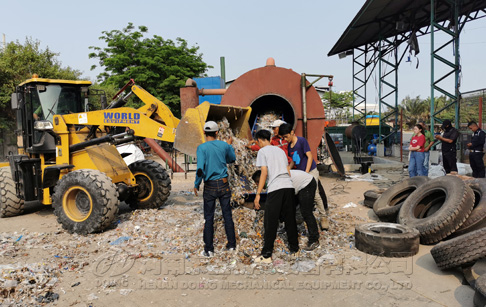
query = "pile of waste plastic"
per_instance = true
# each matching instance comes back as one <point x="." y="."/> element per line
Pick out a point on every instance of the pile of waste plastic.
<point x="265" y="121"/>
<point x="25" y="283"/>
<point x="34" y="263"/>
<point x="239" y="172"/>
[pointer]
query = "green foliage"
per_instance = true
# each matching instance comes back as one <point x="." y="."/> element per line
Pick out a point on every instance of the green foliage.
<point x="337" y="105"/>
<point x="416" y="109"/>
<point x="17" y="63"/>
<point x="338" y="100"/>
<point x="160" y="66"/>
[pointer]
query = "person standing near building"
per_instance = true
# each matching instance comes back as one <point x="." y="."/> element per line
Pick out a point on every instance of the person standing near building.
<point x="212" y="157"/>
<point x="476" y="153"/>
<point x="300" y="153"/>
<point x="448" y="139"/>
<point x="280" y="198"/>
<point x="416" y="164"/>
<point x="429" y="141"/>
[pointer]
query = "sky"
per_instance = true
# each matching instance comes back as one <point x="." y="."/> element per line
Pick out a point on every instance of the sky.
<point x="297" y="34"/>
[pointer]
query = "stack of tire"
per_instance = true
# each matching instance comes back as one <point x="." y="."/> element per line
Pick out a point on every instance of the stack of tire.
<point x="446" y="209"/>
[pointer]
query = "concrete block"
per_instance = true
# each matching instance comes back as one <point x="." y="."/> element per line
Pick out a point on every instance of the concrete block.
<point x="395" y="150"/>
<point x="434" y="157"/>
<point x="380" y="150"/>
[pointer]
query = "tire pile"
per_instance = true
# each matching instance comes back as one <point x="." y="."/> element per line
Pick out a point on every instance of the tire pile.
<point x="447" y="211"/>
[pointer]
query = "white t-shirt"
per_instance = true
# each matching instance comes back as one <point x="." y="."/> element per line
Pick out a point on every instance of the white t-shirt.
<point x="275" y="160"/>
<point x="300" y="179"/>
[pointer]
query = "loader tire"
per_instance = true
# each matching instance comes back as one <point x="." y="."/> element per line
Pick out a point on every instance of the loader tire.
<point x="437" y="208"/>
<point x="153" y="185"/>
<point x="387" y="206"/>
<point x="10" y="204"/>
<point x="461" y="251"/>
<point x="85" y="201"/>
<point x="477" y="218"/>
<point x="387" y="239"/>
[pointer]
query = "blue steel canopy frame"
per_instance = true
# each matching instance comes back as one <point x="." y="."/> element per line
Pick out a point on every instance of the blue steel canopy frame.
<point x="388" y="86"/>
<point x="375" y="23"/>
<point x="452" y="31"/>
<point x="373" y="55"/>
<point x="361" y="74"/>
<point x="360" y="79"/>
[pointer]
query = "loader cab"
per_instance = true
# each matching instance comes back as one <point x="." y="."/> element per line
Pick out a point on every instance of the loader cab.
<point x="39" y="99"/>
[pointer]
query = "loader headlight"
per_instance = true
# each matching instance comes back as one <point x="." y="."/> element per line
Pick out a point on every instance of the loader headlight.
<point x="43" y="125"/>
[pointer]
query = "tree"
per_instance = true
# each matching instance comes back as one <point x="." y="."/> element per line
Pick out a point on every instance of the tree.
<point x="158" y="65"/>
<point x="338" y="104"/>
<point x="414" y="109"/>
<point x="19" y="62"/>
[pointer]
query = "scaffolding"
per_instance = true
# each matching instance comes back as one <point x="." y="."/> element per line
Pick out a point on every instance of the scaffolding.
<point x="381" y="26"/>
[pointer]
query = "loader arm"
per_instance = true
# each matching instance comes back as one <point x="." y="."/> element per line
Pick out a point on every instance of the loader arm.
<point x="162" y="112"/>
<point x="153" y="120"/>
<point x="145" y="121"/>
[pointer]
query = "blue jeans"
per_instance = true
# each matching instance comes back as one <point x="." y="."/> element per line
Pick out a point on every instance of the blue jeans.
<point x="217" y="189"/>
<point x="416" y="164"/>
<point x="426" y="163"/>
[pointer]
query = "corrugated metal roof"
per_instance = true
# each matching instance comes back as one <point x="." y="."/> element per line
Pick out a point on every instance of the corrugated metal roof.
<point x="377" y="19"/>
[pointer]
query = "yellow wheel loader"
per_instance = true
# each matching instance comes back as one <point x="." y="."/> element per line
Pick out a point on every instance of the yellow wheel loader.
<point x="67" y="156"/>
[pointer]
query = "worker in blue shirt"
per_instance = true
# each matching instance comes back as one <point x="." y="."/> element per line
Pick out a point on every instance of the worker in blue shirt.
<point x="212" y="157"/>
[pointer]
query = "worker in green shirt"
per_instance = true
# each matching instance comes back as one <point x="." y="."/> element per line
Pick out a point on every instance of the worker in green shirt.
<point x="429" y="141"/>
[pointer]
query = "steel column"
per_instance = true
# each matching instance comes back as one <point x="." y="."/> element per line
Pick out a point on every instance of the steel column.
<point x="388" y="85"/>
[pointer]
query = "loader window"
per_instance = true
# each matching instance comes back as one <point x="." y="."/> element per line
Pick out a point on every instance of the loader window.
<point x="57" y="99"/>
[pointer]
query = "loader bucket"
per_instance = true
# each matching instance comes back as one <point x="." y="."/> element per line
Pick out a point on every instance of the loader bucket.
<point x="190" y="133"/>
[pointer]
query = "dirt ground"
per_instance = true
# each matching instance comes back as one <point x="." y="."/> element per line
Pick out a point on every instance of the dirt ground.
<point x="151" y="257"/>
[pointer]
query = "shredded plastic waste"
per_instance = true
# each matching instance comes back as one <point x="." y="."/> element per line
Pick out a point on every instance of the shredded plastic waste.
<point x="240" y="172"/>
<point x="120" y="240"/>
<point x="176" y="230"/>
<point x="350" y="205"/>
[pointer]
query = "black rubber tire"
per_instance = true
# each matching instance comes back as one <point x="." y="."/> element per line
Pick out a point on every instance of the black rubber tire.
<point x="387" y="239"/>
<point x="472" y="273"/>
<point x="10" y="204"/>
<point x="153" y="185"/>
<point x="447" y="217"/>
<point x="461" y="251"/>
<point x="99" y="195"/>
<point x="479" y="300"/>
<point x="480" y="285"/>
<point x="371" y="196"/>
<point x="476" y="219"/>
<point x="387" y="206"/>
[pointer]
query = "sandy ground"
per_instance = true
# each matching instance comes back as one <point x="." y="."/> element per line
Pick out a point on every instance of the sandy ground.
<point x="91" y="271"/>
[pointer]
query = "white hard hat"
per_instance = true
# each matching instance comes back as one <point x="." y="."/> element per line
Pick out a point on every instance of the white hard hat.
<point x="211" y="126"/>
<point x="277" y="123"/>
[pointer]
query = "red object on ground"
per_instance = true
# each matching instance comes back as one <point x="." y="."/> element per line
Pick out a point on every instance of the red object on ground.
<point x="164" y="155"/>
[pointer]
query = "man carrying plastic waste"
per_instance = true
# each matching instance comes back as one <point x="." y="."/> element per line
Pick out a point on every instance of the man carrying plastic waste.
<point x="212" y="158"/>
<point x="300" y="152"/>
<point x="280" y="198"/>
<point x="305" y="188"/>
